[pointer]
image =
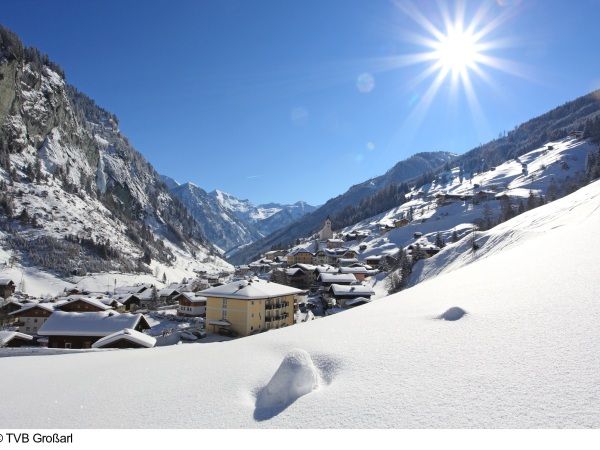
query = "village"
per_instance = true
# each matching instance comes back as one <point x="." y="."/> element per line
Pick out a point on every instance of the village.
<point x="279" y="290"/>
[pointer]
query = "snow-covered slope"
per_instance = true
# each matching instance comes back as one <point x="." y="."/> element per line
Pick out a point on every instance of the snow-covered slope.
<point x="548" y="172"/>
<point x="525" y="354"/>
<point x="76" y="198"/>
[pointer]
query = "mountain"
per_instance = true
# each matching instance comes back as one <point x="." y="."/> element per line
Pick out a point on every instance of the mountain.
<point x="508" y="341"/>
<point x="402" y="172"/>
<point x="231" y="223"/>
<point x="220" y="226"/>
<point x="76" y="197"/>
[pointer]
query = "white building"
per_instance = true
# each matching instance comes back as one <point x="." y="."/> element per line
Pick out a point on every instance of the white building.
<point x="326" y="232"/>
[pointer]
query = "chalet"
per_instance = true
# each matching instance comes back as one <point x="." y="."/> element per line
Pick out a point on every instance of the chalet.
<point x="81" y="330"/>
<point x="327" y="279"/>
<point x="320" y="257"/>
<point x="401" y="222"/>
<point x="32" y="316"/>
<point x="484" y="196"/>
<point x="82" y="304"/>
<point x="15" y="339"/>
<point x="359" y="272"/>
<point x="334" y="243"/>
<point x="126" y="338"/>
<point x="190" y="304"/>
<point x="242" y="270"/>
<point x="343" y="293"/>
<point x="130" y="302"/>
<point x="275" y="254"/>
<point x="373" y="260"/>
<point x="166" y="295"/>
<point x="576" y="134"/>
<point x="137" y="289"/>
<point x="345" y="262"/>
<point x="7" y="287"/>
<point x="6" y="309"/>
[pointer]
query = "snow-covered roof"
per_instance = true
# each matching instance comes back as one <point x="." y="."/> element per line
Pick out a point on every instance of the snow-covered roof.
<point x="356" y="301"/>
<point x="167" y="292"/>
<point x="343" y="290"/>
<point x="7" y="336"/>
<point x="194" y="297"/>
<point x="359" y="269"/>
<point x="127" y="334"/>
<point x="26" y="307"/>
<point x="337" y="277"/>
<point x="250" y="289"/>
<point x="100" y="323"/>
<point x="5" y="281"/>
<point x="90" y="301"/>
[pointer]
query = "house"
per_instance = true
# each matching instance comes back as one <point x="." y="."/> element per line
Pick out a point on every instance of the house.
<point x="9" y="307"/>
<point x="327" y="279"/>
<point x="359" y="272"/>
<point x="334" y="243"/>
<point x="273" y="254"/>
<point x="299" y="256"/>
<point x="345" y="262"/>
<point x="136" y="289"/>
<point x="83" y="304"/>
<point x="15" y="339"/>
<point x="166" y="296"/>
<point x="82" y="329"/>
<point x="190" y="304"/>
<point x="32" y="316"/>
<point x="401" y="222"/>
<point x="326" y="232"/>
<point x="576" y="134"/>
<point x="129" y="302"/>
<point x="7" y="287"/>
<point x="373" y="260"/>
<point x="249" y="306"/>
<point x="343" y="293"/>
<point x="126" y="338"/>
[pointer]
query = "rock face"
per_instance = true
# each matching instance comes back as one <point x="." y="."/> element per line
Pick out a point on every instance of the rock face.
<point x="295" y="377"/>
<point x="76" y="195"/>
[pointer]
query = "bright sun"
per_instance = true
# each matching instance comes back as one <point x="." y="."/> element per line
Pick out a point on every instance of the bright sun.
<point x="457" y="51"/>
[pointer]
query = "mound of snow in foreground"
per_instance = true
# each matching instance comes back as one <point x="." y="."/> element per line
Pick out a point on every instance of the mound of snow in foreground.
<point x="526" y="354"/>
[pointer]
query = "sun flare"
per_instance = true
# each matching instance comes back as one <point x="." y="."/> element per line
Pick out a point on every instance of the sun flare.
<point x="457" y="51"/>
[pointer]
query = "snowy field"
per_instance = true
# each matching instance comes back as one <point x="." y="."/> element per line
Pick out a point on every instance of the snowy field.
<point x="525" y="353"/>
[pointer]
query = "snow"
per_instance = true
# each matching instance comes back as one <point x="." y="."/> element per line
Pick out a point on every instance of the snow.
<point x="295" y="377"/>
<point x="7" y="336"/>
<point x="103" y="323"/>
<point x="525" y="355"/>
<point x="254" y="288"/>
<point x="127" y="334"/>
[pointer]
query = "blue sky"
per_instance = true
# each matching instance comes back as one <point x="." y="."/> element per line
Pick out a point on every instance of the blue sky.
<point x="298" y="100"/>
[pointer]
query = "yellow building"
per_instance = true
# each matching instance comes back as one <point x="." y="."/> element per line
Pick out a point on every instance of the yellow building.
<point x="249" y="306"/>
<point x="299" y="256"/>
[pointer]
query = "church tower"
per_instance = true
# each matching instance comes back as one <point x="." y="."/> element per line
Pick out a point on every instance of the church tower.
<point x="326" y="232"/>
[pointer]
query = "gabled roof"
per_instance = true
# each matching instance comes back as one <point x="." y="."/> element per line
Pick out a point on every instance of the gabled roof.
<point x="26" y="307"/>
<point x="351" y="291"/>
<point x="126" y="334"/>
<point x="337" y="277"/>
<point x="90" y="301"/>
<point x="250" y="289"/>
<point x="193" y="297"/>
<point x="7" y="336"/>
<point x="102" y="323"/>
<point x="6" y="281"/>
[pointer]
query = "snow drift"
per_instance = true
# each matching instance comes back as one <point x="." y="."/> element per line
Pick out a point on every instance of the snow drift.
<point x="526" y="355"/>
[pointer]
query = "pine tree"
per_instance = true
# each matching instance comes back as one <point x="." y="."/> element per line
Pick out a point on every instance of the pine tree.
<point x="439" y="241"/>
<point x="454" y="236"/>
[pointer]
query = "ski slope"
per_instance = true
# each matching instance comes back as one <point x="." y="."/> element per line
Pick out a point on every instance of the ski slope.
<point x="523" y="352"/>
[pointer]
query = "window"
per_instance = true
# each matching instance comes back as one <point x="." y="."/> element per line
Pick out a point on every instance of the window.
<point x="67" y="345"/>
<point x="224" y="303"/>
